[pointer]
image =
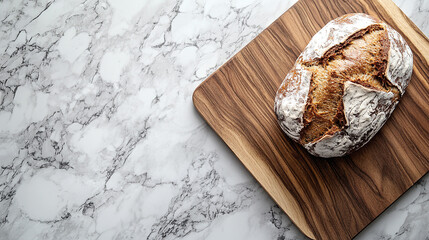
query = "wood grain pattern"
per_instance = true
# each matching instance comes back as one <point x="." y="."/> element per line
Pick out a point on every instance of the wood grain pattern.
<point x="326" y="199"/>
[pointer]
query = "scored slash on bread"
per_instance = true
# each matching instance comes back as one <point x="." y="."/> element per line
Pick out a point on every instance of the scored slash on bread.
<point x="344" y="85"/>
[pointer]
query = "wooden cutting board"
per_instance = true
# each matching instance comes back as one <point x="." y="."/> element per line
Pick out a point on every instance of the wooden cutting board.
<point x="326" y="199"/>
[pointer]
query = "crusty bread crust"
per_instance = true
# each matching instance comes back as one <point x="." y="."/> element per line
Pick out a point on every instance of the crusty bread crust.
<point x="350" y="77"/>
<point x="291" y="99"/>
<point x="366" y="110"/>
<point x="400" y="62"/>
<point x="335" y="33"/>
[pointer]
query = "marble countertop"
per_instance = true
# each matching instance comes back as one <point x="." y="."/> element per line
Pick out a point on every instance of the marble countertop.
<point x="99" y="138"/>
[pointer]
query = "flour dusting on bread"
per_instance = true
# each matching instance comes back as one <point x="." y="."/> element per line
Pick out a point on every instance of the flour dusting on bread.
<point x="292" y="98"/>
<point x="335" y="32"/>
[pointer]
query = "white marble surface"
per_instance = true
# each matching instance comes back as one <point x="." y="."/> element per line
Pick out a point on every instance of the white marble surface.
<point x="99" y="138"/>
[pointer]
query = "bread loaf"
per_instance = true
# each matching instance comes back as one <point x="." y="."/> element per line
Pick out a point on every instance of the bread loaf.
<point x="344" y="85"/>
